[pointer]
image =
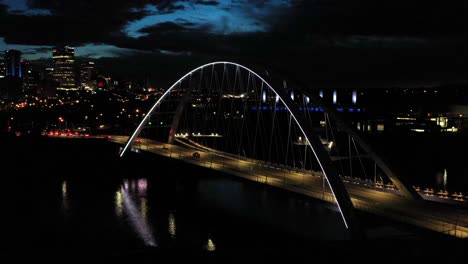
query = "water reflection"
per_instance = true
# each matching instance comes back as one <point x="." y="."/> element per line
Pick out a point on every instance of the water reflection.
<point x="172" y="225"/>
<point x="118" y="203"/>
<point x="138" y="215"/>
<point x="210" y="245"/>
<point x="279" y="210"/>
<point x="165" y="216"/>
<point x="445" y="179"/>
<point x="142" y="186"/>
<point x="441" y="180"/>
<point x="64" y="196"/>
<point x="144" y="209"/>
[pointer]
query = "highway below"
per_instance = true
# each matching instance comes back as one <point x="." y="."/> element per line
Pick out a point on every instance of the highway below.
<point x="447" y="218"/>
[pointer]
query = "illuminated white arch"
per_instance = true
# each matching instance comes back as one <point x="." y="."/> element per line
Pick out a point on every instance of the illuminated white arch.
<point x="343" y="201"/>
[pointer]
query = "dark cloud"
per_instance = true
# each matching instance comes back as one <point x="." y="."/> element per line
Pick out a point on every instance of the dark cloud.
<point x="76" y="22"/>
<point x="164" y="69"/>
<point x="98" y="21"/>
<point x="36" y="50"/>
<point x="204" y="2"/>
<point x="336" y="40"/>
<point x="18" y="12"/>
<point x="102" y="8"/>
<point x="394" y="17"/>
<point x="3" y="9"/>
<point x="73" y="22"/>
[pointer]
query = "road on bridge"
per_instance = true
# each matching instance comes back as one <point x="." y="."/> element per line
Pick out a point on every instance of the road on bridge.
<point x="445" y="218"/>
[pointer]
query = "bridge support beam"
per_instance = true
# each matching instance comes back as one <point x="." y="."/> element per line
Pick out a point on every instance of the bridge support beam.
<point x="178" y="115"/>
<point x="335" y="183"/>
<point x="403" y="186"/>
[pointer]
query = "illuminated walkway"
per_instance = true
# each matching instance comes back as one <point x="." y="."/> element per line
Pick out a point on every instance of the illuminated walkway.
<point x="444" y="218"/>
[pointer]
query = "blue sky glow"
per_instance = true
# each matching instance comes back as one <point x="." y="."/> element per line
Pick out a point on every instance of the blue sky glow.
<point x="229" y="17"/>
<point x="20" y="6"/>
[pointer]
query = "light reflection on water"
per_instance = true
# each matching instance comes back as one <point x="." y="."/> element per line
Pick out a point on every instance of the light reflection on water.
<point x="138" y="215"/>
<point x="153" y="218"/>
<point x="144" y="209"/>
<point x="142" y="186"/>
<point x="64" y="196"/>
<point x="210" y="245"/>
<point x="118" y="203"/>
<point x="172" y="225"/>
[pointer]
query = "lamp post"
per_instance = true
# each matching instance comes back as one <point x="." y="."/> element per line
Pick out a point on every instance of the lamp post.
<point x="61" y="120"/>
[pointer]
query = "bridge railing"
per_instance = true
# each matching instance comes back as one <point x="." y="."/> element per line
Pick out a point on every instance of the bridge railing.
<point x="304" y="182"/>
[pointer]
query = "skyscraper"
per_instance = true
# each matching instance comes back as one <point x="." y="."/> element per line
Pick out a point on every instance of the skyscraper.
<point x="64" y="68"/>
<point x="13" y="64"/>
<point x="32" y="75"/>
<point x="88" y="75"/>
<point x="2" y="68"/>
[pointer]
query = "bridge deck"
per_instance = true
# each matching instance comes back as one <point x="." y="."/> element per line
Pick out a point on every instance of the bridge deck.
<point x="444" y="218"/>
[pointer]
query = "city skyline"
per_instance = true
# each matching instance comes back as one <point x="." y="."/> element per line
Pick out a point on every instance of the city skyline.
<point x="234" y="130"/>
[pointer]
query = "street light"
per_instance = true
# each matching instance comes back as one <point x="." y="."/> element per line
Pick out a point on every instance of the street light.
<point x="61" y="120"/>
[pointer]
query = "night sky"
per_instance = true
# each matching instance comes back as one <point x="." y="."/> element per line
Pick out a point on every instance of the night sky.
<point x="324" y="42"/>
